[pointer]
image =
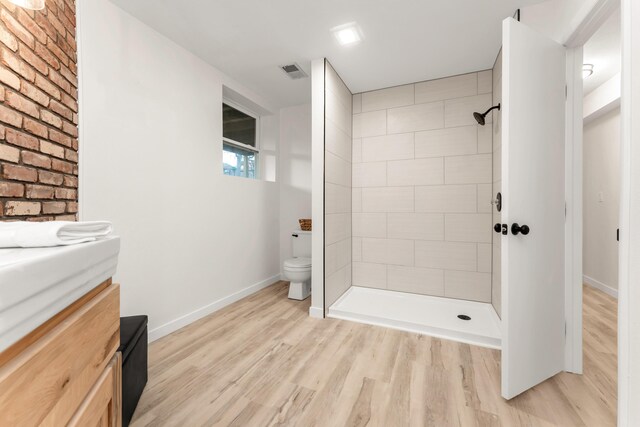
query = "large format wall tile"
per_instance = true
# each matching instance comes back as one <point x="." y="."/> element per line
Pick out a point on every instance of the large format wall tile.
<point x="468" y="285"/>
<point x="447" y="142"/>
<point x="415" y="118"/>
<point x="388" y="147"/>
<point x="418" y="226"/>
<point x="426" y="281"/>
<point x="446" y="198"/>
<point x="387" y="199"/>
<point x="446" y="255"/>
<point x="422" y="187"/>
<point x="370" y="124"/>
<point x="474" y="169"/>
<point x="416" y="172"/>
<point x="387" y="98"/>
<point x="447" y="88"/>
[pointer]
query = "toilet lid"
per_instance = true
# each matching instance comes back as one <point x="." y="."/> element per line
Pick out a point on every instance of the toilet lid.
<point x="298" y="262"/>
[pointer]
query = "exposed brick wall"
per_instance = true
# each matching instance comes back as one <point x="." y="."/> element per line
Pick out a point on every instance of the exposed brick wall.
<point x="38" y="112"/>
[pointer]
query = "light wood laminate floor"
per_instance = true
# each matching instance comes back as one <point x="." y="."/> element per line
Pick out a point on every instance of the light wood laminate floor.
<point x="263" y="361"/>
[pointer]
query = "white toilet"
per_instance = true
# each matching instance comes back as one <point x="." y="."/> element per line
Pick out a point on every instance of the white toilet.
<point x="298" y="269"/>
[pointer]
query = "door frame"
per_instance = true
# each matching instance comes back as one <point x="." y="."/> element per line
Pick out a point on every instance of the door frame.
<point x="600" y="12"/>
<point x="629" y="248"/>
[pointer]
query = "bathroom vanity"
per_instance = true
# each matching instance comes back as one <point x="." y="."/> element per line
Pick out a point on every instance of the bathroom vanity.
<point x="59" y="332"/>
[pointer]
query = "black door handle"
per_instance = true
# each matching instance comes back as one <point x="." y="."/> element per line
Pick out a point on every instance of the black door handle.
<point x="516" y="229"/>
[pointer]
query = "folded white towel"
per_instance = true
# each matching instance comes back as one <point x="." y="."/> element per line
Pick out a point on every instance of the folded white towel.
<point x="24" y="234"/>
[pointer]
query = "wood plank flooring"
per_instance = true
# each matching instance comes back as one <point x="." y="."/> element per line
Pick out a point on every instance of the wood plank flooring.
<point x="264" y="362"/>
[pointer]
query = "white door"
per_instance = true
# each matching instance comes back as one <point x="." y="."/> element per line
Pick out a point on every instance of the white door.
<point x="533" y="117"/>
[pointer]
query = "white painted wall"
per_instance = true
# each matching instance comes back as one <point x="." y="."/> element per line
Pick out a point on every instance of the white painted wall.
<point x="558" y="19"/>
<point x="150" y="161"/>
<point x="601" y="201"/>
<point x="603" y="99"/>
<point x="294" y="173"/>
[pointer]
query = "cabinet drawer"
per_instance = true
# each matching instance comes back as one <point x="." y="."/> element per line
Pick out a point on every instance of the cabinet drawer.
<point x="47" y="381"/>
<point x="101" y="408"/>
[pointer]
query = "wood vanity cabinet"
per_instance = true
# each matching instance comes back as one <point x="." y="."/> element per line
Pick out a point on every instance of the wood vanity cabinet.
<point x="67" y="371"/>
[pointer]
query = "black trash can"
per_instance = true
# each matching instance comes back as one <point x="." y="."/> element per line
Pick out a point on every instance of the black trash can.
<point x="133" y="346"/>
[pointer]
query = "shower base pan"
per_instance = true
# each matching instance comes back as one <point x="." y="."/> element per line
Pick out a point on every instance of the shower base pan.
<point x="433" y="316"/>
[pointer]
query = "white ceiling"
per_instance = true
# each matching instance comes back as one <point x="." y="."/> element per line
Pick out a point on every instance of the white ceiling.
<point x="603" y="50"/>
<point x="405" y="40"/>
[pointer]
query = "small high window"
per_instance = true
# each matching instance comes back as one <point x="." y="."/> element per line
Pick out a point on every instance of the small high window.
<point x="240" y="141"/>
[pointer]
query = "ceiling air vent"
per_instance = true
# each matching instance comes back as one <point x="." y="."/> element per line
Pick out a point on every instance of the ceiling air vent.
<point x="294" y="71"/>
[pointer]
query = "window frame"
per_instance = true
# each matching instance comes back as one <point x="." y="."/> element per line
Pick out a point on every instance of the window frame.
<point x="232" y="142"/>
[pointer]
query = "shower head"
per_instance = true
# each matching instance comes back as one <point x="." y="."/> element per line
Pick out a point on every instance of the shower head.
<point x="480" y="117"/>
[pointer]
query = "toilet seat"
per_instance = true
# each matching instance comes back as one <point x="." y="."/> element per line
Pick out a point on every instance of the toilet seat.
<point x="297" y="263"/>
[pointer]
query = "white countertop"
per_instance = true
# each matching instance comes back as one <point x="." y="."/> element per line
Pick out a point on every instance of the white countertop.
<point x="38" y="283"/>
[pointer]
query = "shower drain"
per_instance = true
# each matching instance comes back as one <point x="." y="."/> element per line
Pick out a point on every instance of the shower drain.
<point x="463" y="317"/>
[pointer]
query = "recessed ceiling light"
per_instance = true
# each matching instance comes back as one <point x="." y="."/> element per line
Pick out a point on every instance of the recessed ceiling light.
<point x="29" y="4"/>
<point x="347" y="34"/>
<point x="587" y="70"/>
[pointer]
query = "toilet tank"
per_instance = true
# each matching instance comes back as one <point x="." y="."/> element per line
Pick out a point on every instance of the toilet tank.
<point x="301" y="244"/>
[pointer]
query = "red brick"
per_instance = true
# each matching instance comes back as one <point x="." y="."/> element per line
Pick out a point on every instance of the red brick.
<point x="40" y="192"/>
<point x="52" y="149"/>
<point x="67" y="74"/>
<point x="31" y="25"/>
<point x="73" y="68"/>
<point x="10" y="117"/>
<point x="34" y="60"/>
<point x="70" y="129"/>
<point x="21" y="103"/>
<point x="32" y="92"/>
<point x="54" y="207"/>
<point x="10" y="6"/>
<point x="8" y="78"/>
<point x="8" y="39"/>
<point x="19" y="173"/>
<point x="71" y="155"/>
<point x="15" y="208"/>
<point x="16" y="29"/>
<point x="22" y="139"/>
<point x="61" y="110"/>
<point x="48" y="87"/>
<point x="66" y="193"/>
<point x="35" y="128"/>
<point x="50" y="118"/>
<point x="52" y="178"/>
<point x="66" y="218"/>
<point x="11" y="189"/>
<point x="69" y="102"/>
<point x="61" y="166"/>
<point x="70" y="181"/>
<point x="72" y="207"/>
<point x="55" y="21"/>
<point x="45" y="25"/>
<point x="17" y="65"/>
<point x="57" y="78"/>
<point x="34" y="159"/>
<point x="50" y="58"/>
<point x="60" y="138"/>
<point x="59" y="53"/>
<point x="8" y="153"/>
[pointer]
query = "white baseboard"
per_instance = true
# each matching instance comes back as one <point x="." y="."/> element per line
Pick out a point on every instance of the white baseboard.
<point x="600" y="286"/>
<point x="183" y="321"/>
<point x="316" y="312"/>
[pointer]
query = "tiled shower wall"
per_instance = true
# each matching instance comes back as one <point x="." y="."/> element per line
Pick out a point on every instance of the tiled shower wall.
<point x="496" y="290"/>
<point x="337" y="186"/>
<point x="422" y="185"/>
